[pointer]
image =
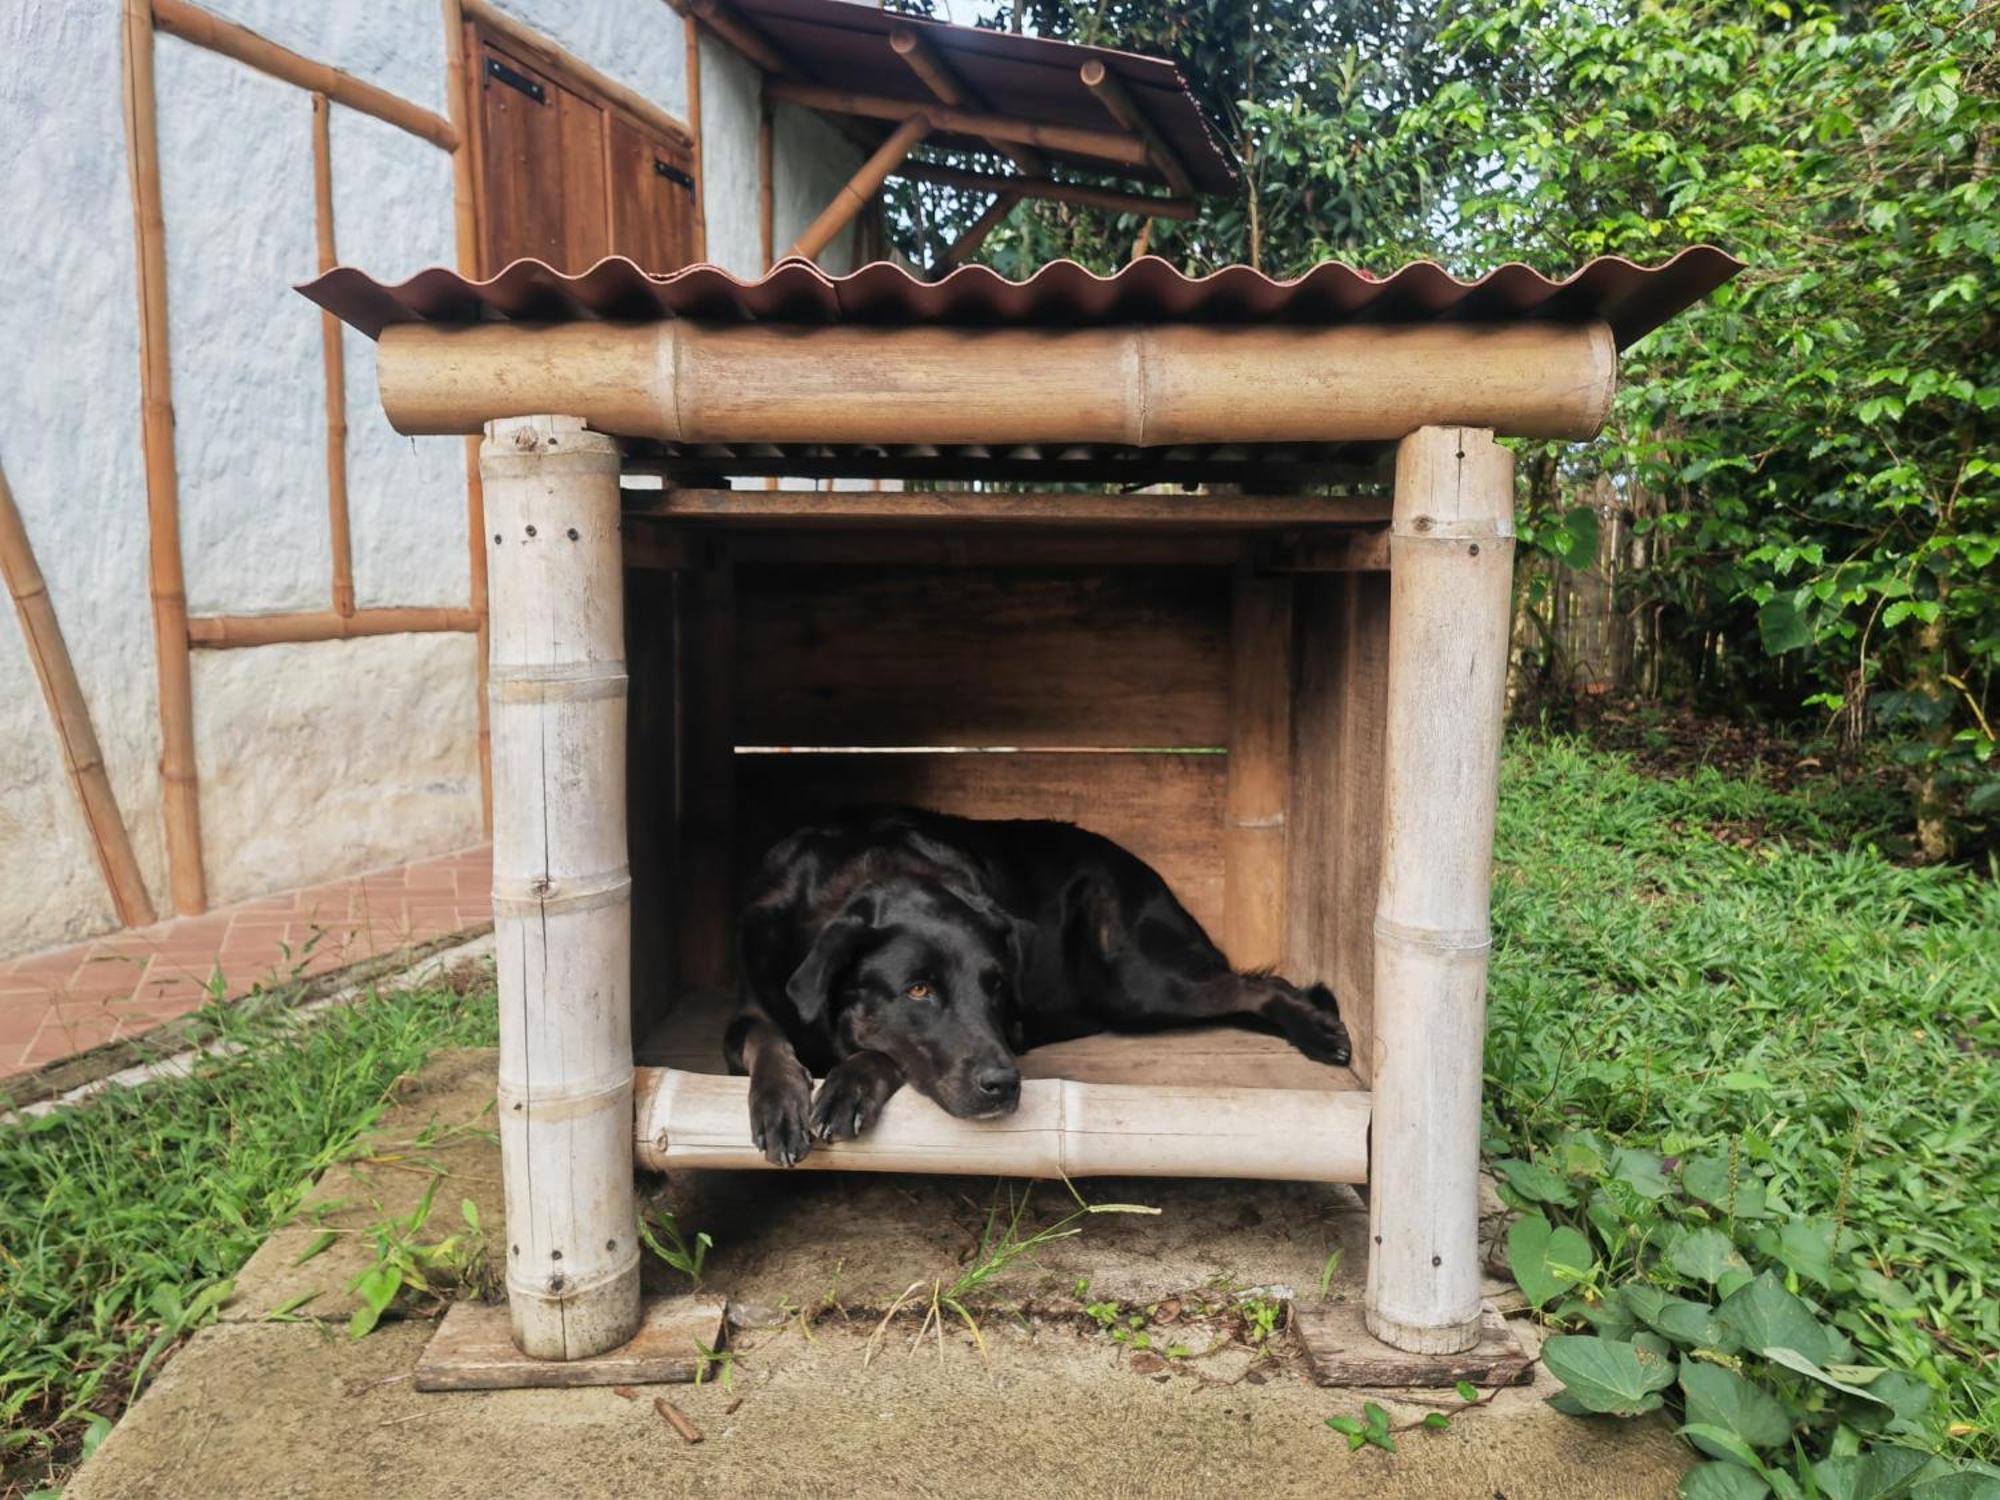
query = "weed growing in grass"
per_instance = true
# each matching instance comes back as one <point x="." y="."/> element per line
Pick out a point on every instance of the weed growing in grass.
<point x="124" y="1218"/>
<point x="1743" y="1092"/>
<point x="662" y="1235"/>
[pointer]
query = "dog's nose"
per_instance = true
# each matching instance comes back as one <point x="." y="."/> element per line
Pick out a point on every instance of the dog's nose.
<point x="998" y="1083"/>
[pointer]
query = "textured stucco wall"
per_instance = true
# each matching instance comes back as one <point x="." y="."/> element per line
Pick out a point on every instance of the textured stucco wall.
<point x="314" y="760"/>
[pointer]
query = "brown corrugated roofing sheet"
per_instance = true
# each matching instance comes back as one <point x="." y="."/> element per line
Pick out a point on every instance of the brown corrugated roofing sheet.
<point x="1633" y="299"/>
<point x="846" y="46"/>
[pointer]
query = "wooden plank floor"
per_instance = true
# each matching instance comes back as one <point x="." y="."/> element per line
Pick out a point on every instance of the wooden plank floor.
<point x="691" y="1039"/>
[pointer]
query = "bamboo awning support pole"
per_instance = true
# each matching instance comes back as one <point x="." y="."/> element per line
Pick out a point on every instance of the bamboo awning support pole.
<point x="734" y="28"/>
<point x="1070" y="140"/>
<point x="962" y="249"/>
<point x="180" y="798"/>
<point x="192" y="24"/>
<point x="562" y="891"/>
<point x="83" y="761"/>
<point x="681" y="381"/>
<point x="1123" y="108"/>
<point x="949" y="89"/>
<point x="766" y="185"/>
<point x="1451" y="570"/>
<point x="338" y="530"/>
<point x="857" y="190"/>
<point x="1083" y="194"/>
<point x="1062" y="1129"/>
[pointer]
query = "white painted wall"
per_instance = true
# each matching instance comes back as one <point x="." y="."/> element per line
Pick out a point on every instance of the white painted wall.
<point x="314" y="760"/>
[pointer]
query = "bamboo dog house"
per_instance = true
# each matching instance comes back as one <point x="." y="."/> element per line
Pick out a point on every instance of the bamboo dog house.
<point x="1287" y="700"/>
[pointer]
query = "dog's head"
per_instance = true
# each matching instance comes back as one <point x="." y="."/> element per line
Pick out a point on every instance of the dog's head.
<point x="925" y="974"/>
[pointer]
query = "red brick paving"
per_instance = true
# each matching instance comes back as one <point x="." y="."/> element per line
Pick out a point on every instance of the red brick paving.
<point x="67" y="1000"/>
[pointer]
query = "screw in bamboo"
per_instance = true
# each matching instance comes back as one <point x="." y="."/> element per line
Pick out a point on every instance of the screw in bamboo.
<point x="179" y="795"/>
<point x="681" y="381"/>
<point x="1068" y="140"/>
<point x="863" y="185"/>
<point x="192" y="24"/>
<point x="83" y="761"/>
<point x="333" y="365"/>
<point x="1082" y="194"/>
<point x="1062" y="1128"/>
<point x="458" y="95"/>
<point x="561" y="892"/>
<point x="1122" y="107"/>
<point x="1451" y="570"/>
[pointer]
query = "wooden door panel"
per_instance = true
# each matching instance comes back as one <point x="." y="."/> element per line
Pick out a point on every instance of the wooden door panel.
<point x="586" y="224"/>
<point x="651" y="205"/>
<point x="520" y="162"/>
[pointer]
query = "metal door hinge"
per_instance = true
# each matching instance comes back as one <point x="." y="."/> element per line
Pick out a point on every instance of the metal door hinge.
<point x="497" y="69"/>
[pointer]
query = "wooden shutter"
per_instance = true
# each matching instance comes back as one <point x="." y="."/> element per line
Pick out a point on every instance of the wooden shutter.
<point x="652" y="199"/>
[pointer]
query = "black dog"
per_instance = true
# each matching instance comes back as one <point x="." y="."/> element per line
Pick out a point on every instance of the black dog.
<point x="891" y="945"/>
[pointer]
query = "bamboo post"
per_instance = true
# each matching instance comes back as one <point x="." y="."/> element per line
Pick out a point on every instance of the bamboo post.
<point x="691" y="33"/>
<point x="338" y="529"/>
<point x="767" y="238"/>
<point x="180" y="797"/>
<point x="1451" y="569"/>
<point x="1258" y="788"/>
<point x="561" y="892"/>
<point x="83" y="761"/>
<point x="458" y="95"/>
<point x="857" y="190"/>
<point x="1063" y="1128"/>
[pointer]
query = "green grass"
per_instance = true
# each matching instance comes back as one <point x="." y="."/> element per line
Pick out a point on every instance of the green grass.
<point x="1701" y="966"/>
<point x="123" y="1219"/>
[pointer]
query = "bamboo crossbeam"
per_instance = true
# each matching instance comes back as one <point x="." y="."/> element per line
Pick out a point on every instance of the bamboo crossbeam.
<point x="1068" y="140"/>
<point x="225" y="632"/>
<point x="1123" y="108"/>
<point x="1082" y="194"/>
<point x="681" y="381"/>
<point x="180" y="800"/>
<point x="856" y="191"/>
<point x="948" y="89"/>
<point x="540" y="49"/>
<point x="192" y="24"/>
<point x="335" y="370"/>
<point x="83" y="761"/>
<point x="729" y="24"/>
<point x="962" y="249"/>
<point x="1062" y="1129"/>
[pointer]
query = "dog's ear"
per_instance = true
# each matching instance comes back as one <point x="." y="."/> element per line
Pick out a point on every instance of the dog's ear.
<point x="839" y="940"/>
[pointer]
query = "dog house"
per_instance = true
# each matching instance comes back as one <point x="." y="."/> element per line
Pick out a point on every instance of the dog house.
<point x="1234" y="592"/>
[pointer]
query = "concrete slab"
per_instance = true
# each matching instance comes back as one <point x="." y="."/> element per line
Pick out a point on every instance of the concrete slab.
<point x="824" y="1397"/>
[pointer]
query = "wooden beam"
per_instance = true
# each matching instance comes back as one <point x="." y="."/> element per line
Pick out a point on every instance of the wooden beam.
<point x="1067" y="140"/>
<point x="540" y="49"/>
<point x="334" y="368"/>
<point x="83" y="761"/>
<point x="962" y="249"/>
<point x="857" y="190"/>
<point x="691" y="35"/>
<point x="1061" y="1129"/>
<point x="949" y="89"/>
<point x="223" y="632"/>
<point x="684" y="382"/>
<point x="1123" y="108"/>
<point x="734" y="28"/>
<point x="180" y="799"/>
<point x="848" y="509"/>
<point x="459" y="92"/>
<point x="1082" y="194"/>
<point x="192" y="24"/>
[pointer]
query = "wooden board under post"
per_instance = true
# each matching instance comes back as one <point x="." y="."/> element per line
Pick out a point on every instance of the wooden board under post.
<point x="473" y="1350"/>
<point x="1341" y="1351"/>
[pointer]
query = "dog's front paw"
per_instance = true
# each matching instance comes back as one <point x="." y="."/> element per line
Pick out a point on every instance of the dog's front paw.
<point x="851" y="1099"/>
<point x="780" y="1107"/>
<point x="1311" y="1022"/>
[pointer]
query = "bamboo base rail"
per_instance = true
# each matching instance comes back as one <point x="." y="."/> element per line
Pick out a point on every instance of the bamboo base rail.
<point x="83" y="761"/>
<point x="1062" y="1129"/>
<point x="561" y="892"/>
<point x="192" y="24"/>
<point x="226" y="632"/>
<point x="810" y="510"/>
<point x="1081" y="194"/>
<point x="679" y="381"/>
<point x="1452" y="551"/>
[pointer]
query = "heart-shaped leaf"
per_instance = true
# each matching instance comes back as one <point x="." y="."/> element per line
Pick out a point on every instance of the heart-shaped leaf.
<point x="1704" y="1255"/>
<point x="1536" y="1183"/>
<point x="1708" y="1179"/>
<point x="1721" y="1398"/>
<point x="1764" y="1316"/>
<point x="1608" y="1376"/>
<point x="1722" y="1481"/>
<point x="1885" y="1472"/>
<point x="1641" y="1171"/>
<point x="1546" y="1260"/>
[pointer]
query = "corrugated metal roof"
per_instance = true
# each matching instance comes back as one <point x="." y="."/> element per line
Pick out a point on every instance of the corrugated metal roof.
<point x="846" y="46"/>
<point x="1633" y="299"/>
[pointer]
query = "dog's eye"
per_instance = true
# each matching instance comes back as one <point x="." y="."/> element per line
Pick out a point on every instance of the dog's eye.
<point x="919" y="991"/>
